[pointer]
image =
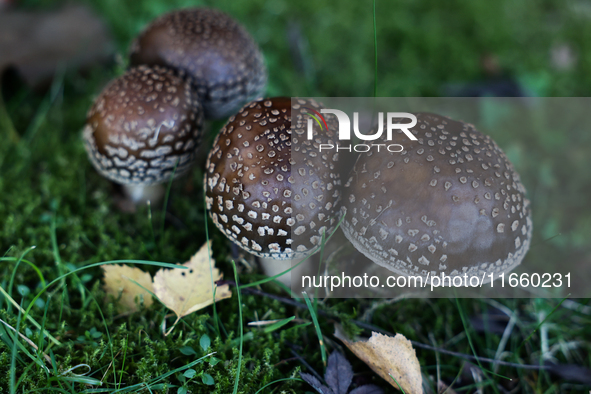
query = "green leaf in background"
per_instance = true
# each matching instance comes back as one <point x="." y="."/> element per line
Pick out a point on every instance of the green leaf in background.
<point x="187" y="351"/>
<point x="204" y="342"/>
<point x="207" y="379"/>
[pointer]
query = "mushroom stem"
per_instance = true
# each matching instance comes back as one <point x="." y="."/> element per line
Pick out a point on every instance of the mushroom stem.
<point x="141" y="194"/>
<point x="272" y="267"/>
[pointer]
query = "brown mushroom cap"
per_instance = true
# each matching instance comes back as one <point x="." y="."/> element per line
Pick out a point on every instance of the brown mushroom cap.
<point x="225" y="63"/>
<point x="141" y="125"/>
<point x="450" y="203"/>
<point x="270" y="202"/>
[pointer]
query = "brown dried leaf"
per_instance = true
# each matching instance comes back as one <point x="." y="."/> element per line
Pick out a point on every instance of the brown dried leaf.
<point x="185" y="291"/>
<point x="119" y="283"/>
<point x="389" y="356"/>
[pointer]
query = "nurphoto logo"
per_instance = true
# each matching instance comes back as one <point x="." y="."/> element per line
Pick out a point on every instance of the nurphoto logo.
<point x="345" y="130"/>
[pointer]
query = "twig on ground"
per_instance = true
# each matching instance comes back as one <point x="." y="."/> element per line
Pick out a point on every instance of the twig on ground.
<point x="371" y="327"/>
<point x="47" y="358"/>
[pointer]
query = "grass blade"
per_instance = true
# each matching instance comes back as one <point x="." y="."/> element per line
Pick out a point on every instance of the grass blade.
<point x="278" y="325"/>
<point x="59" y="278"/>
<point x="316" y="326"/>
<point x="214" y="288"/>
<point x="277" y="381"/>
<point x="484" y="370"/>
<point x="241" y="329"/>
<point x="375" y="50"/>
<point x="540" y="324"/>
<point x="29" y="318"/>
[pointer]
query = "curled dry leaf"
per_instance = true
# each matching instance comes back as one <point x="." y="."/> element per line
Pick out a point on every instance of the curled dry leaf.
<point x="390" y="358"/>
<point x="185" y="291"/>
<point x="121" y="282"/>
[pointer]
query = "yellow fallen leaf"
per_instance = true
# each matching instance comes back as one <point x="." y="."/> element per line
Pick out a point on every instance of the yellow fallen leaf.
<point x="389" y="357"/>
<point x="119" y="283"/>
<point x="185" y="291"/>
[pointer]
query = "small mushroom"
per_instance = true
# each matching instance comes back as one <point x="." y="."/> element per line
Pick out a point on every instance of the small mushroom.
<point x="267" y="187"/>
<point x="450" y="203"/>
<point x="225" y="63"/>
<point x="143" y="127"/>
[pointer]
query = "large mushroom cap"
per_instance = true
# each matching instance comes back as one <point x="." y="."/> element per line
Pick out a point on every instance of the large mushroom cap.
<point x="141" y="125"/>
<point x="225" y="63"/>
<point x="267" y="187"/>
<point x="450" y="203"/>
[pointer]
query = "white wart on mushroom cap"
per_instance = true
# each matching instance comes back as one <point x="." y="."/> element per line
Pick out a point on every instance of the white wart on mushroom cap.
<point x="450" y="203"/>
<point x="141" y="125"/>
<point x="268" y="189"/>
<point x="225" y="63"/>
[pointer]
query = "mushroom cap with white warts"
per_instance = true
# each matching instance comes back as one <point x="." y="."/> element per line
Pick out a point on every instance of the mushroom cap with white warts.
<point x="223" y="60"/>
<point x="450" y="203"/>
<point x="143" y="127"/>
<point x="268" y="188"/>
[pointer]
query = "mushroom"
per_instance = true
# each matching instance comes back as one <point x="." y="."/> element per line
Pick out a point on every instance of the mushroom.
<point x="143" y="127"/>
<point x="268" y="188"/>
<point x="450" y="203"/>
<point x="225" y="63"/>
